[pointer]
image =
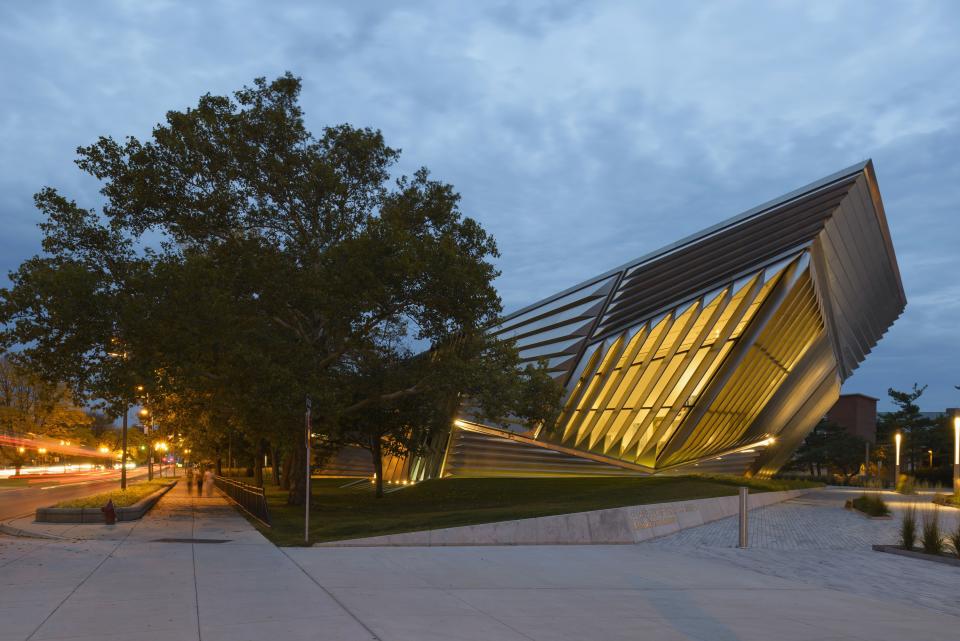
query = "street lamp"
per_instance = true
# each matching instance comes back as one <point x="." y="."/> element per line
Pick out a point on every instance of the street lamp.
<point x="144" y="412"/>
<point x="956" y="455"/>
<point x="930" y="452"/>
<point x="896" y="466"/>
<point x="161" y="446"/>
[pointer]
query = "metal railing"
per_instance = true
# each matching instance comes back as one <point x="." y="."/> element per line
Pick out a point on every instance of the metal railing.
<point x="250" y="498"/>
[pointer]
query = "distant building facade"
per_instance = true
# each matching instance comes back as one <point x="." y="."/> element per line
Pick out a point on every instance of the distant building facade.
<point x="857" y="413"/>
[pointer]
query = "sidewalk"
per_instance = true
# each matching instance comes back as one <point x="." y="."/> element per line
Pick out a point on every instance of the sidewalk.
<point x="124" y="585"/>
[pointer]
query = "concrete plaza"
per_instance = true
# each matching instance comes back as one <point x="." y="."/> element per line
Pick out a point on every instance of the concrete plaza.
<point x="124" y="583"/>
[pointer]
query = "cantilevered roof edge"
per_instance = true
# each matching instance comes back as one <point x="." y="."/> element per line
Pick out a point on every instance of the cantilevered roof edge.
<point x="753" y="212"/>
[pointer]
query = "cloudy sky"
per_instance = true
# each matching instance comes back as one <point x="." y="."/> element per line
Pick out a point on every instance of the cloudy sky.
<point x="581" y="134"/>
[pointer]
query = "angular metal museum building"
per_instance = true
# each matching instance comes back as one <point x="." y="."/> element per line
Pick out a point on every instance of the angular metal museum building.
<point x="718" y="353"/>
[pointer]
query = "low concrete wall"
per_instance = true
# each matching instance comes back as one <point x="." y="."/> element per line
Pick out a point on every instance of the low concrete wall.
<point x="94" y="515"/>
<point x="631" y="524"/>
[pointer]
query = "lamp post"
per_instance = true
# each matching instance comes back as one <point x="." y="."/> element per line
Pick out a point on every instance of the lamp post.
<point x="896" y="461"/>
<point x="144" y="412"/>
<point x="956" y="455"/>
<point x="123" y="457"/>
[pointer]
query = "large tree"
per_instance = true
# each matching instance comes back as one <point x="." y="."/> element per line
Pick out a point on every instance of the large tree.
<point x="832" y="446"/>
<point x="918" y="430"/>
<point x="244" y="262"/>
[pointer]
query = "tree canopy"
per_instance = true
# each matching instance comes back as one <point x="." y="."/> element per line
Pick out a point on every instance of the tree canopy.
<point x="240" y="264"/>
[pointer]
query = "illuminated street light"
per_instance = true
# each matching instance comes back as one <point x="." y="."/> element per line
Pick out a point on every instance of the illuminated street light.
<point x="21" y="450"/>
<point x="104" y="449"/>
<point x="956" y="455"/>
<point x="930" y="452"/>
<point x="896" y="467"/>
<point x="41" y="450"/>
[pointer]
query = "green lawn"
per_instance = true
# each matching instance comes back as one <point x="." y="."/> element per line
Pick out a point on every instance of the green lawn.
<point x="344" y="513"/>
<point x="121" y="498"/>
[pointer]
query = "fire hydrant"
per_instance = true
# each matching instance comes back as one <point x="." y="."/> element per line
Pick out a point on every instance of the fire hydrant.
<point x="109" y="513"/>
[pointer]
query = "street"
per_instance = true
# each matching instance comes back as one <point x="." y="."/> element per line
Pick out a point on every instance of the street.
<point x="18" y="501"/>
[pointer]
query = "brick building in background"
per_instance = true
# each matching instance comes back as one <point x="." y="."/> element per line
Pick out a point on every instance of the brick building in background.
<point x="857" y="413"/>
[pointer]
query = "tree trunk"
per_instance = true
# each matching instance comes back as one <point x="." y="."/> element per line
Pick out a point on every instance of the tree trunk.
<point x="297" y="476"/>
<point x="275" y="465"/>
<point x="219" y="466"/>
<point x="377" y="454"/>
<point x="16" y="469"/>
<point x="258" y="467"/>
<point x="287" y="466"/>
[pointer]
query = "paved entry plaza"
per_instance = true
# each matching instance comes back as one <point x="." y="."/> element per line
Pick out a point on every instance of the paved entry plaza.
<point x="809" y="575"/>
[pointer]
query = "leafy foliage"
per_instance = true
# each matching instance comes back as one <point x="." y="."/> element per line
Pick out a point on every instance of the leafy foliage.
<point x="241" y="264"/>
<point x="871" y="504"/>
<point x="908" y="528"/>
<point x="931" y="537"/>
<point x="830" y="445"/>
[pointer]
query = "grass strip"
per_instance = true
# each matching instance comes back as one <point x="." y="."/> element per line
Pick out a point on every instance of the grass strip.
<point x="120" y="498"/>
<point x="345" y="513"/>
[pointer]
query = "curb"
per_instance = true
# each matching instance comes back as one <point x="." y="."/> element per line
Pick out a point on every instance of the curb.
<point x="9" y="530"/>
<point x="90" y="516"/>
<point x="914" y="554"/>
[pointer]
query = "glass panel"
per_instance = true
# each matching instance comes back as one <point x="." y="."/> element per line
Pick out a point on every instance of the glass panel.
<point x="674" y="334"/>
<point x="651" y="340"/>
<point x="687" y="374"/>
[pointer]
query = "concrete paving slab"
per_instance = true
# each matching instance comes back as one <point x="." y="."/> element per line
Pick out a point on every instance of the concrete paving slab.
<point x="667" y="590"/>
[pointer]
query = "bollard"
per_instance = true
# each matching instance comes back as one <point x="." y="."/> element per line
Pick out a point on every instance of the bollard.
<point x="743" y="516"/>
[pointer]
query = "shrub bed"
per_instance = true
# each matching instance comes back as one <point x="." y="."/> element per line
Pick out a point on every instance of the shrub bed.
<point x="120" y="498"/>
<point x="871" y="505"/>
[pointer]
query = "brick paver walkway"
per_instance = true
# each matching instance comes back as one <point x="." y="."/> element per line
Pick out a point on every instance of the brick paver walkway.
<point x="814" y="540"/>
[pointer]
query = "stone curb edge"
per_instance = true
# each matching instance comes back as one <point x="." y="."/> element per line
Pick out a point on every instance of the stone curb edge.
<point x="914" y="554"/>
<point x="129" y="513"/>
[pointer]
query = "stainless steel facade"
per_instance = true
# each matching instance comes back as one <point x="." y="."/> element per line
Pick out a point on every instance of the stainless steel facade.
<point x="717" y="353"/>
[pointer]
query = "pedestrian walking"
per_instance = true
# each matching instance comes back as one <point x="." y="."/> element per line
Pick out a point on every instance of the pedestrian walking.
<point x="200" y="482"/>
<point x="208" y="483"/>
<point x="190" y="480"/>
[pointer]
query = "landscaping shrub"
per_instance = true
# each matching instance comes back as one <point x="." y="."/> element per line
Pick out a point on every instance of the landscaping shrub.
<point x="954" y="538"/>
<point x="932" y="538"/>
<point x="871" y="504"/>
<point x="935" y="477"/>
<point x="906" y="485"/>
<point x="948" y="500"/>
<point x="908" y="528"/>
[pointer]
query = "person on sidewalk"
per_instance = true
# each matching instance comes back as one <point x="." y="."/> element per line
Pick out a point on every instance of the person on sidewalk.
<point x="200" y="482"/>
<point x="190" y="480"/>
<point x="208" y="483"/>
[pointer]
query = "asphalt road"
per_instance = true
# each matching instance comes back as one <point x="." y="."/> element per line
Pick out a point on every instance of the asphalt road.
<point x="16" y="502"/>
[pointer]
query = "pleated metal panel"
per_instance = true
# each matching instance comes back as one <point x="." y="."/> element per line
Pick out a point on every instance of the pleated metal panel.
<point x="720" y="351"/>
<point x="489" y="452"/>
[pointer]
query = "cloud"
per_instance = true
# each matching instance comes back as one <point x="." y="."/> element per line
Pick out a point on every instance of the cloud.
<point x="581" y="134"/>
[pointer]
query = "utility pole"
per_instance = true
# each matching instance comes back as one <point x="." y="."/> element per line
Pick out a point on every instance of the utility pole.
<point x="123" y="457"/>
<point x="306" y="502"/>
